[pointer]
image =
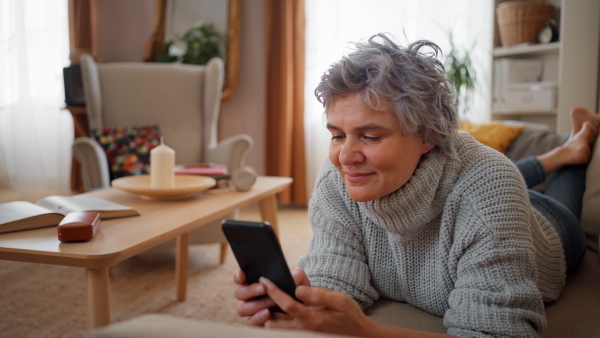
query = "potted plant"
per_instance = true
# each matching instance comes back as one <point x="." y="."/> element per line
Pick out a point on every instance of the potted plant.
<point x="202" y="43"/>
<point x="459" y="69"/>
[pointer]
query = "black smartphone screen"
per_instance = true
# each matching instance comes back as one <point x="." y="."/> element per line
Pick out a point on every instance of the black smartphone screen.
<point x="257" y="250"/>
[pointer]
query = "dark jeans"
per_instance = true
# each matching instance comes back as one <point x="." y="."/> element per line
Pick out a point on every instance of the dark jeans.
<point x="560" y="204"/>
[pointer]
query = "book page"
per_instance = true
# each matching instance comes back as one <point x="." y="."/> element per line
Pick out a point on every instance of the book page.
<point x="66" y="204"/>
<point x="20" y="215"/>
<point x="14" y="211"/>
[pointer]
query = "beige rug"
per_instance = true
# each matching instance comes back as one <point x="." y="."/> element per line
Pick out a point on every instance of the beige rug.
<point x="40" y="300"/>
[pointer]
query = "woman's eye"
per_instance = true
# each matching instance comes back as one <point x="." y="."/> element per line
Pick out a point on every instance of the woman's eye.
<point x="337" y="137"/>
<point x="372" y="138"/>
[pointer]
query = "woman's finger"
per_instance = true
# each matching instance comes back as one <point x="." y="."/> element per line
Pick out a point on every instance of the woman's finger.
<point x="259" y="318"/>
<point x="239" y="277"/>
<point x="285" y="301"/>
<point x="247" y="292"/>
<point x="262" y="317"/>
<point x="300" y="277"/>
<point x="250" y="308"/>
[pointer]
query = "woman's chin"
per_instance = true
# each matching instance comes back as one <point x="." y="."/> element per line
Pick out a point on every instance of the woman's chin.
<point x="360" y="195"/>
<point x="368" y="192"/>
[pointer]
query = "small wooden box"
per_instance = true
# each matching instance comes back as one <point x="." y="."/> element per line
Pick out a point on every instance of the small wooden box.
<point x="79" y="226"/>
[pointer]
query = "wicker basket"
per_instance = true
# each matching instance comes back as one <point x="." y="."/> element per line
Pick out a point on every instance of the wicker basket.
<point x="521" y="21"/>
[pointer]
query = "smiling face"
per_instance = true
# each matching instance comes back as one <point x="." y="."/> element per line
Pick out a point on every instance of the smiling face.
<point x="369" y="148"/>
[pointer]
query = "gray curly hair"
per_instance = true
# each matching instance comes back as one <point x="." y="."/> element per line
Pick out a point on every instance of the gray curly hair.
<point x="413" y="83"/>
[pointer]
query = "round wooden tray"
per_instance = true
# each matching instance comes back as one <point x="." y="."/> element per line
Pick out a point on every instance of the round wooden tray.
<point x="184" y="186"/>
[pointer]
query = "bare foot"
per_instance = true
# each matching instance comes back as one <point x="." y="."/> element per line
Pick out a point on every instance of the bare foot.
<point x="579" y="115"/>
<point x="580" y="145"/>
<point x="577" y="149"/>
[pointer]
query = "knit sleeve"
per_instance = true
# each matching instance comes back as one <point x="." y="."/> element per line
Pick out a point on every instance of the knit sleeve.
<point x="495" y="291"/>
<point x="336" y="258"/>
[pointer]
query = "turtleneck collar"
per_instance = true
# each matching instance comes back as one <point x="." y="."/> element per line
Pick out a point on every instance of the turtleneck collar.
<point x="407" y="210"/>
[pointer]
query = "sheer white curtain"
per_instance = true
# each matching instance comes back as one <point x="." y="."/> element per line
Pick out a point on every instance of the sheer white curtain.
<point x="331" y="24"/>
<point x="35" y="133"/>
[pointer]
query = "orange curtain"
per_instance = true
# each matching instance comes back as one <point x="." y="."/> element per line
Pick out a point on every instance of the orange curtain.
<point x="154" y="45"/>
<point x="80" y="31"/>
<point x="284" y="137"/>
<point x="80" y="42"/>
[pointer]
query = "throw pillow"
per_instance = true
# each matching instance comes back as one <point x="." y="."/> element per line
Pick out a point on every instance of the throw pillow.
<point x="534" y="140"/>
<point x="495" y="135"/>
<point x="128" y="148"/>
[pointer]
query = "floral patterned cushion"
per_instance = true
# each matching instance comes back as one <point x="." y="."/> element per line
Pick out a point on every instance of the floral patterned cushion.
<point x="128" y="148"/>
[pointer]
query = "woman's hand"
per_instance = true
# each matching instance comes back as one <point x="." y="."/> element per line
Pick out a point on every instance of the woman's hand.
<point x="321" y="310"/>
<point x="256" y="303"/>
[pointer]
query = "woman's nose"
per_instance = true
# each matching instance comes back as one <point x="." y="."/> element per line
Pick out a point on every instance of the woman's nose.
<point x="351" y="153"/>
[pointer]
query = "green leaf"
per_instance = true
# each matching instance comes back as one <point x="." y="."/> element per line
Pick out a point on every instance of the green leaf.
<point x="460" y="71"/>
<point x="202" y="44"/>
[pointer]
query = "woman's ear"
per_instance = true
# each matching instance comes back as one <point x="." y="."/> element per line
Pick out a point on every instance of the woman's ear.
<point x="426" y="147"/>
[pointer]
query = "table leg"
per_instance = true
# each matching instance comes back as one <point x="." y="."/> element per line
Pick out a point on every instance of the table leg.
<point x="268" y="211"/>
<point x="181" y="265"/>
<point x="98" y="303"/>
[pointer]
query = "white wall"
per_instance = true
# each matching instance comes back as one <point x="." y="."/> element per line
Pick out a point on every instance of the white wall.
<point x="129" y="26"/>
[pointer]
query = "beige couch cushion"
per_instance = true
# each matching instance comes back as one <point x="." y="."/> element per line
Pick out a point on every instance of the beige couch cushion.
<point x="162" y="326"/>
<point x="590" y="213"/>
<point x="393" y="313"/>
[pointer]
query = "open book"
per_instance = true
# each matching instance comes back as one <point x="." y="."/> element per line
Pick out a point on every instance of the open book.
<point x="49" y="211"/>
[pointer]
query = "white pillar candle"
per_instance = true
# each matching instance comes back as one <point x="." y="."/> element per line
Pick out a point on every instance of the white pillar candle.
<point x="162" y="167"/>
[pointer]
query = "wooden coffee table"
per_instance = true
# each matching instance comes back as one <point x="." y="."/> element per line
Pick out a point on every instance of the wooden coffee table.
<point x="122" y="238"/>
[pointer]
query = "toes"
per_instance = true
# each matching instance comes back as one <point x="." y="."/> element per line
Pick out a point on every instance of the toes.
<point x="580" y="115"/>
<point x="580" y="110"/>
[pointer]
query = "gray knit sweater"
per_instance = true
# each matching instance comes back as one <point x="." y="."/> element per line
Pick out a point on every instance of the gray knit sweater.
<point x="458" y="240"/>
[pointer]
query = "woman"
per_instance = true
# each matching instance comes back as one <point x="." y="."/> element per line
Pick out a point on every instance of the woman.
<point x="410" y="210"/>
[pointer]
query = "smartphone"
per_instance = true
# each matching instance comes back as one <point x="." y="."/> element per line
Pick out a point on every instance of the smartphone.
<point x="257" y="251"/>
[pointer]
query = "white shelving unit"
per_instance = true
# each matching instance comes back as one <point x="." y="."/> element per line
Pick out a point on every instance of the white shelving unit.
<point x="571" y="63"/>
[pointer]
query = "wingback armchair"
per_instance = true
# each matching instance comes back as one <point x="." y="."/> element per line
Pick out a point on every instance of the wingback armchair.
<point x="182" y="100"/>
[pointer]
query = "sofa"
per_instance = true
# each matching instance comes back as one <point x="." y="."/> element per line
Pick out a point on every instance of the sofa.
<point x="575" y="314"/>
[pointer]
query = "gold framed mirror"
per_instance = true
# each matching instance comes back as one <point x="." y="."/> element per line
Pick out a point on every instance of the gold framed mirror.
<point x="231" y="20"/>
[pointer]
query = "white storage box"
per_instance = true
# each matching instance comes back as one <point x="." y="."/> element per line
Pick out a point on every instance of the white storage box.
<point x="537" y="96"/>
<point x="520" y="70"/>
<point x="513" y="71"/>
